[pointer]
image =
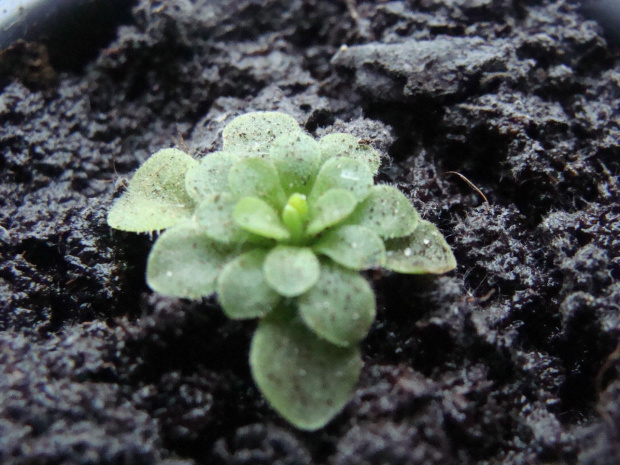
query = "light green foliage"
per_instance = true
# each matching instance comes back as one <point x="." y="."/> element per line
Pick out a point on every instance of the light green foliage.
<point x="340" y="307"/>
<point x="255" y="132"/>
<point x="386" y="211"/>
<point x="215" y="216"/>
<point x="257" y="216"/>
<point x="294" y="214"/>
<point x="291" y="270"/>
<point x="242" y="289"/>
<point x="279" y="226"/>
<point x="210" y="176"/>
<point x="353" y="246"/>
<point x="297" y="158"/>
<point x="184" y="262"/>
<point x="330" y="209"/>
<point x="255" y="177"/>
<point x="305" y="378"/>
<point x="343" y="173"/>
<point x="346" y="145"/>
<point x="156" y="198"/>
<point x="424" y="251"/>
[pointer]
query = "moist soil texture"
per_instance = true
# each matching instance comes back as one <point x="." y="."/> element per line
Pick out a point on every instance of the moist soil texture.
<point x="513" y="358"/>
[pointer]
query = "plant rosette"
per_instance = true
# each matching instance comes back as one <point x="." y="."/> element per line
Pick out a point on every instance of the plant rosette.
<point x="279" y="225"/>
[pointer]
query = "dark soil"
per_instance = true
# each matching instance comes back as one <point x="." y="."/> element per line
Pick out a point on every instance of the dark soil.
<point x="510" y="359"/>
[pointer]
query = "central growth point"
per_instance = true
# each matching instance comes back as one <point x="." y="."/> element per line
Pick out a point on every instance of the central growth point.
<point x="295" y="213"/>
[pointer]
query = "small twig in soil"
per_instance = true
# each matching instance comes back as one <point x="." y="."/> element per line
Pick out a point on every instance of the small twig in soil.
<point x="484" y="298"/>
<point x="362" y="31"/>
<point x="182" y="141"/>
<point x="119" y="181"/>
<point x="471" y="184"/>
<point x="352" y="10"/>
<point x="5" y="235"/>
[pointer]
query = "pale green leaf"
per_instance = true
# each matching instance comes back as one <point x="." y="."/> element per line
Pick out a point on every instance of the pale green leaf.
<point x="297" y="159"/>
<point x="210" y="176"/>
<point x="257" y="216"/>
<point x="343" y="173"/>
<point x="185" y="263"/>
<point x="242" y="290"/>
<point x="340" y="307"/>
<point x="424" y="251"/>
<point x="255" y="177"/>
<point x="306" y="379"/>
<point x="291" y="270"/>
<point x="294" y="214"/>
<point x="255" y="132"/>
<point x="346" y="145"/>
<point x="156" y="198"/>
<point x="329" y="209"/>
<point x="215" y="216"/>
<point x="387" y="212"/>
<point x="356" y="247"/>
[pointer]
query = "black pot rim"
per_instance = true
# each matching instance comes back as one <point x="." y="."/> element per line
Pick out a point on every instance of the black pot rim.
<point x="29" y="19"/>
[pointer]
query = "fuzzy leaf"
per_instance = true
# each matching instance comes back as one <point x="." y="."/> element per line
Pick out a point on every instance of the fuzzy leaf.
<point x="291" y="270"/>
<point x="424" y="251"/>
<point x="186" y="263"/>
<point x="346" y="145"/>
<point x="307" y="380"/>
<point x="210" y="176"/>
<point x="242" y="290"/>
<point x="329" y="209"/>
<point x="255" y="177"/>
<point x="257" y="216"/>
<point x="387" y="212"/>
<point x="356" y="247"/>
<point x="156" y="198"/>
<point x="343" y="173"/>
<point x="340" y="307"/>
<point x="297" y="158"/>
<point x="215" y="215"/>
<point x="255" y="132"/>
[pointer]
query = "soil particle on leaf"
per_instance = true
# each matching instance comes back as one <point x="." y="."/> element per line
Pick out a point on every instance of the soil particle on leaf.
<point x="507" y="360"/>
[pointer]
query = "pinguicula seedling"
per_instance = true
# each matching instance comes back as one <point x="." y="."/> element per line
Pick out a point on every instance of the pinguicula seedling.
<point x="279" y="225"/>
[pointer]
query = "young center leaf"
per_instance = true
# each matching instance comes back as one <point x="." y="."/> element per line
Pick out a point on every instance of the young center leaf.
<point x="258" y="217"/>
<point x="424" y="251"/>
<point x="306" y="379"/>
<point x="184" y="262"/>
<point x="340" y="307"/>
<point x="156" y="198"/>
